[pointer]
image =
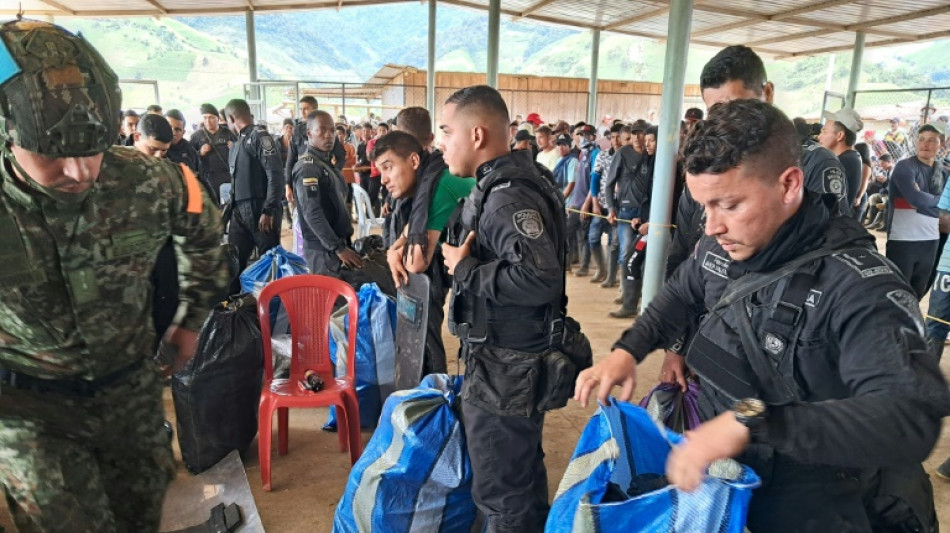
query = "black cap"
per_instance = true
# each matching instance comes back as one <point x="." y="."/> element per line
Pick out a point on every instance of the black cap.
<point x="523" y="135"/>
<point x="208" y="109"/>
<point x="693" y="113"/>
<point x="564" y="139"/>
<point x="639" y="126"/>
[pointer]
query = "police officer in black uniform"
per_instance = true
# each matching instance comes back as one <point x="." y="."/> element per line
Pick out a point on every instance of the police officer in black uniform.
<point x="507" y="255"/>
<point x="811" y="349"/>
<point x="319" y="192"/>
<point x="299" y="140"/>
<point x="258" y="183"/>
<point x="736" y="72"/>
<point x="213" y="143"/>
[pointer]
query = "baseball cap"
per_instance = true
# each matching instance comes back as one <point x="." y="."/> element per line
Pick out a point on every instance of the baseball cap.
<point x="564" y="139"/>
<point x="940" y="128"/>
<point x="523" y="135"/>
<point x="848" y="118"/>
<point x="693" y="113"/>
<point x="535" y="119"/>
<point x="639" y="126"/>
<point x="587" y="129"/>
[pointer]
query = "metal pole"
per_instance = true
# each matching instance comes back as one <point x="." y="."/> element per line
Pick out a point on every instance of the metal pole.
<point x="344" y="99"/>
<point x="927" y="109"/>
<point x="252" y="53"/>
<point x="430" y="68"/>
<point x="855" y="67"/>
<point x="668" y="141"/>
<point x="158" y="98"/>
<point x="494" y="24"/>
<point x="594" y="67"/>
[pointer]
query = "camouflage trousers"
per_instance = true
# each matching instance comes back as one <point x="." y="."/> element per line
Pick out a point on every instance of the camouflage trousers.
<point x="86" y="464"/>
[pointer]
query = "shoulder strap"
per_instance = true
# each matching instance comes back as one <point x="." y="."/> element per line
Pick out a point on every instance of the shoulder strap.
<point x="214" y="148"/>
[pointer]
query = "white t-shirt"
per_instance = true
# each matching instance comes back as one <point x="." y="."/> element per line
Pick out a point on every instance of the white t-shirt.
<point x="549" y="158"/>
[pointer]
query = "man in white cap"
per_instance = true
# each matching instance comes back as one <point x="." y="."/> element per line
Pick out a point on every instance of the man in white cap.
<point x="839" y="134"/>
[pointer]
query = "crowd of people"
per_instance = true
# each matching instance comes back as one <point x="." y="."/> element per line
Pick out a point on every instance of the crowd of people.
<point x="814" y="362"/>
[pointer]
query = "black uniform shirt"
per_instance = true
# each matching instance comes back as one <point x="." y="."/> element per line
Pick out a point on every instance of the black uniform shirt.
<point x="214" y="164"/>
<point x="320" y="193"/>
<point x="255" y="164"/>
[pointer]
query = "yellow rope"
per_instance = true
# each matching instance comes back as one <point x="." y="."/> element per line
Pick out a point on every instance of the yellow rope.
<point x="617" y="219"/>
<point x="942" y="321"/>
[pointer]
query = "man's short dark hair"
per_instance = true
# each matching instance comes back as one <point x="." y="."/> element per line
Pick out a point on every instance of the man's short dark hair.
<point x="313" y="119"/>
<point x="155" y="127"/>
<point x="384" y="125"/>
<point x="850" y="137"/>
<point x="309" y="100"/>
<point x="341" y="128"/>
<point x="626" y="128"/>
<point x="129" y="113"/>
<point x="485" y="101"/>
<point x="652" y="130"/>
<point x="742" y="132"/>
<point x="735" y="62"/>
<point x="616" y="127"/>
<point x="401" y="143"/>
<point x="238" y="108"/>
<point x="368" y="125"/>
<point x="543" y="128"/>
<point x="287" y="121"/>
<point x="175" y="114"/>
<point x="886" y="157"/>
<point x="417" y="122"/>
<point x="154" y="108"/>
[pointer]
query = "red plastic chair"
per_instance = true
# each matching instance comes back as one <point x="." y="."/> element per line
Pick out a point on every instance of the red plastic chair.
<point x="309" y="301"/>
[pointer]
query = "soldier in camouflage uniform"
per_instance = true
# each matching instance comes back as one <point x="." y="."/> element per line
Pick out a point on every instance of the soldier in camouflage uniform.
<point x="82" y="444"/>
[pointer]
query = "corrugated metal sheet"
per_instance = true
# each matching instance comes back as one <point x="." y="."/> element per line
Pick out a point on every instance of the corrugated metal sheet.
<point x="777" y="27"/>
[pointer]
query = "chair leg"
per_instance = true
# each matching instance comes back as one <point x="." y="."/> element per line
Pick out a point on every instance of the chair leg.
<point x="342" y="425"/>
<point x="265" y="415"/>
<point x="355" y="437"/>
<point x="282" y="423"/>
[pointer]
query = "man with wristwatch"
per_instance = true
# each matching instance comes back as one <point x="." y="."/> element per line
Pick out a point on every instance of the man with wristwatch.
<point x="810" y="347"/>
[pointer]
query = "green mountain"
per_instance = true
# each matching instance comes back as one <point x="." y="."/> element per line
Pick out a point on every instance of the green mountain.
<point x="200" y="59"/>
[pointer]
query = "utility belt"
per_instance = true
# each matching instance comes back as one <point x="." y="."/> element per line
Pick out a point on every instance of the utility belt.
<point x="509" y="382"/>
<point x="70" y="387"/>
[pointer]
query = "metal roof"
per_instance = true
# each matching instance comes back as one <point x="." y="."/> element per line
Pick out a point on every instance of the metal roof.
<point x="781" y="28"/>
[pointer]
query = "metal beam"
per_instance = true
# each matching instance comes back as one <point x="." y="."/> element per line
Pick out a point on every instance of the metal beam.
<point x="791" y="37"/>
<point x="534" y="7"/>
<point x="856" y="59"/>
<point x="646" y="15"/>
<point x="594" y="68"/>
<point x="668" y="139"/>
<point x="494" y="30"/>
<point x="158" y="6"/>
<point x="712" y="30"/>
<point x="887" y="42"/>
<point x="58" y="6"/>
<point x="250" y="5"/>
<point x="430" y="71"/>
<point x="901" y="18"/>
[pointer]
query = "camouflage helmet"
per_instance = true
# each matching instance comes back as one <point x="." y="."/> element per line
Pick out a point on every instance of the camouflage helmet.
<point x="58" y="97"/>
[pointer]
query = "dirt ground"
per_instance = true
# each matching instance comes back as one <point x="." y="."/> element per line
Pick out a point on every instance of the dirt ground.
<point x="308" y="482"/>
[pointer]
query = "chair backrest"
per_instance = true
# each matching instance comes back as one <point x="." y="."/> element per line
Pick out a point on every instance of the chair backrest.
<point x="308" y="300"/>
<point x="364" y="207"/>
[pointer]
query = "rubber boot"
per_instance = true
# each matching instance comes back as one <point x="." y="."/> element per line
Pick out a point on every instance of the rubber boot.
<point x="943" y="471"/>
<point x="631" y="298"/>
<point x="612" y="266"/>
<point x="583" y="248"/>
<point x="878" y="222"/>
<point x="598" y="256"/>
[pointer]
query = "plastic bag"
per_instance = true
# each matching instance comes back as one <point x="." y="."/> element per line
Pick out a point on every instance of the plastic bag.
<point x="623" y="450"/>
<point x="414" y="474"/>
<point x="276" y="263"/>
<point x="375" y="268"/>
<point x="375" y="354"/>
<point x="217" y="392"/>
<point x="670" y="406"/>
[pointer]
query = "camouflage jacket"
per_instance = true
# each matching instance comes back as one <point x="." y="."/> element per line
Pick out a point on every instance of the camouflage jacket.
<point x="75" y="292"/>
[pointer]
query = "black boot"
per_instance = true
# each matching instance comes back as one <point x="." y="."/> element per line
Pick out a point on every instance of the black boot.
<point x="612" y="266"/>
<point x="597" y="254"/>
<point x="631" y="298"/>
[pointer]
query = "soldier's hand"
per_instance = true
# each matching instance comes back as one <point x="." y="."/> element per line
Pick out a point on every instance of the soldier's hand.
<point x="612" y="218"/>
<point x="350" y="258"/>
<point x="266" y="223"/>
<point x="396" y="267"/>
<point x="618" y="368"/>
<point x="720" y="438"/>
<point x="454" y="254"/>
<point x="186" y="341"/>
<point x="674" y="370"/>
<point x="205" y="149"/>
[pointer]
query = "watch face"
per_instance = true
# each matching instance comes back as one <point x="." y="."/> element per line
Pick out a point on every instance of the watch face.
<point x="750" y="407"/>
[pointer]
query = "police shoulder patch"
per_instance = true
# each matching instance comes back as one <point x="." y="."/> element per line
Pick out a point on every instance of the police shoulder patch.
<point x="716" y="264"/>
<point x="907" y="302"/>
<point x="864" y="262"/>
<point x="833" y="180"/>
<point x="268" y="145"/>
<point x="307" y="182"/>
<point x="528" y="223"/>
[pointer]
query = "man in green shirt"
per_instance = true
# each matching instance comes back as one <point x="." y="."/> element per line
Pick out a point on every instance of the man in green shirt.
<point x="426" y="195"/>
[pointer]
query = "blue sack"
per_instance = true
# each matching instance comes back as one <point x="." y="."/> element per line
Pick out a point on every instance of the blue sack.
<point x="414" y="474"/>
<point x="375" y="354"/>
<point x="276" y="263"/>
<point x="620" y="444"/>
